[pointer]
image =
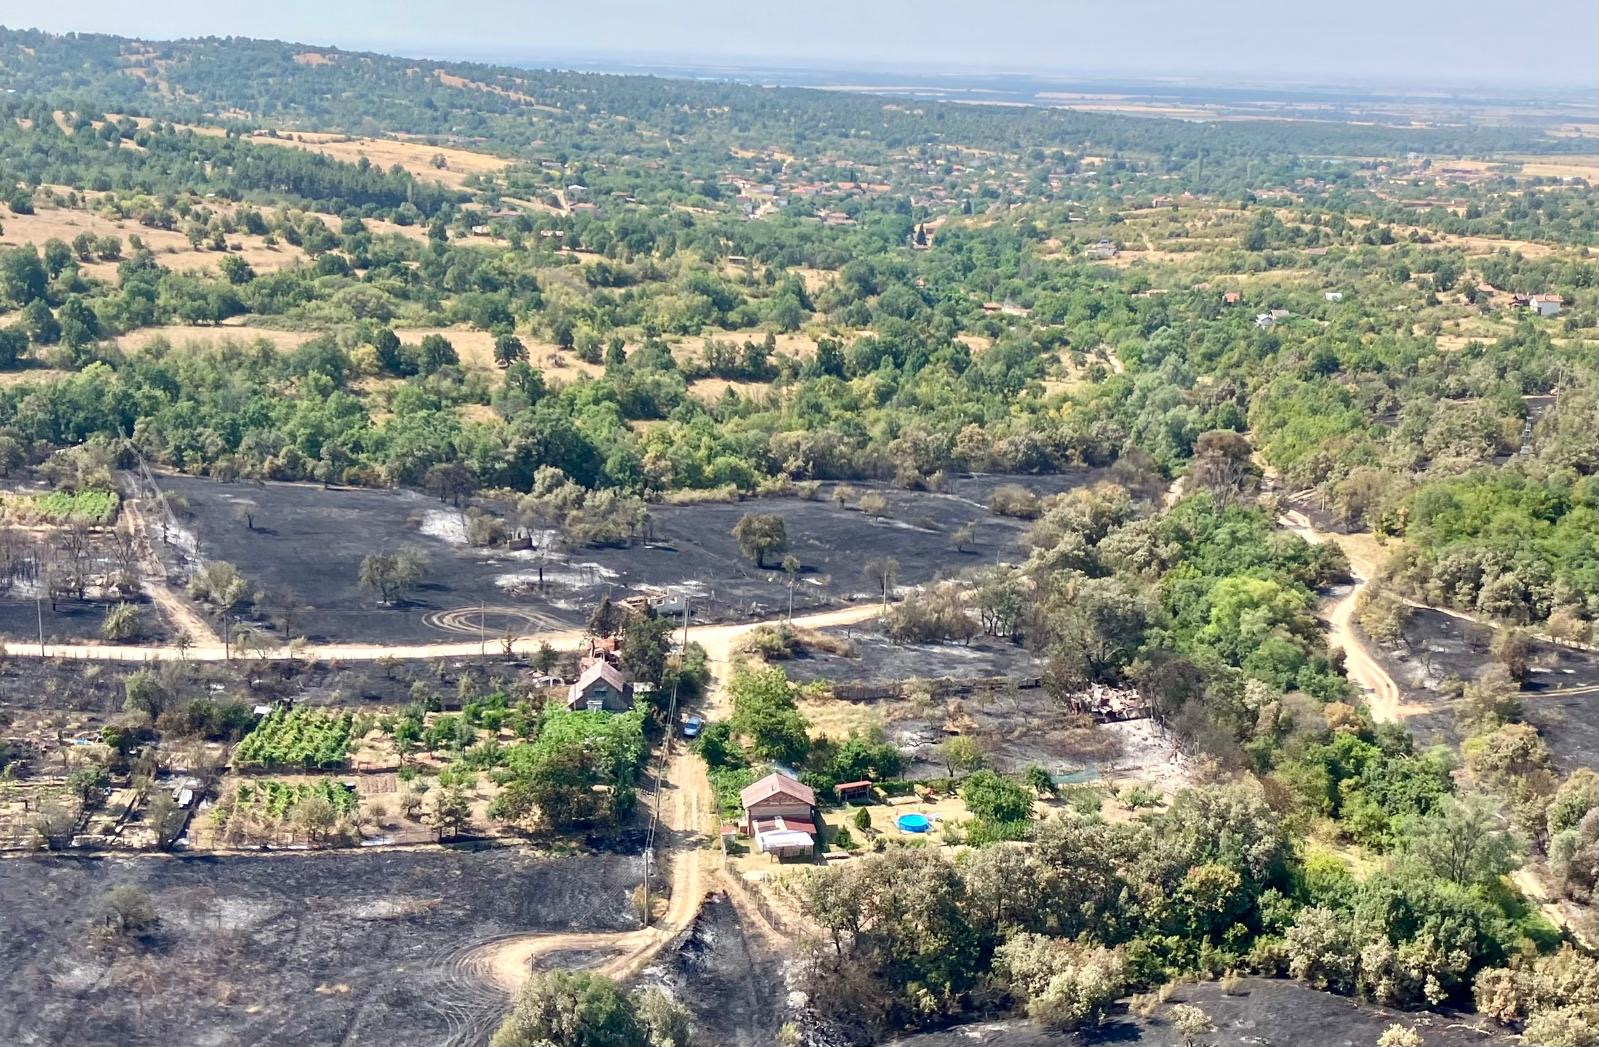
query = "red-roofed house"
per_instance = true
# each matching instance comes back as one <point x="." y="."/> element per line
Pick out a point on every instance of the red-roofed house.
<point x="780" y="815"/>
<point x="1546" y="304"/>
<point x="602" y="687"/>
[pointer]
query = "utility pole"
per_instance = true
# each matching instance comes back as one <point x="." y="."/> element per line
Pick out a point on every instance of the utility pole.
<point x="482" y="637"/>
<point x="227" y="650"/>
<point x="38" y="608"/>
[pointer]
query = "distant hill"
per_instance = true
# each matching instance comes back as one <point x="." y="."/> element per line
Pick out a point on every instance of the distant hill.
<point x="250" y="82"/>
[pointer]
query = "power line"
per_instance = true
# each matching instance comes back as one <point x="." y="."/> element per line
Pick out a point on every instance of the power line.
<point x="660" y="769"/>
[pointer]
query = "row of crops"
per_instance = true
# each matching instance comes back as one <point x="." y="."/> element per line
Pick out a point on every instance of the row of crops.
<point x="300" y="738"/>
<point x="275" y="799"/>
<point x="59" y="507"/>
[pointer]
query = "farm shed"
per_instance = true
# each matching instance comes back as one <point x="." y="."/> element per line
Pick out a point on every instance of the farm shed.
<point x="853" y="792"/>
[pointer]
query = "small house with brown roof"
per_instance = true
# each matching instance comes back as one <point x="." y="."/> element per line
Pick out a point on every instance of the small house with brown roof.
<point x="601" y="688"/>
<point x="780" y="815"/>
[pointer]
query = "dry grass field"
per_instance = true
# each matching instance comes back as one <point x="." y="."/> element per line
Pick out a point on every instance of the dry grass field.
<point x="181" y="336"/>
<point x="1583" y="167"/>
<point x="171" y="248"/>
<point x="415" y="157"/>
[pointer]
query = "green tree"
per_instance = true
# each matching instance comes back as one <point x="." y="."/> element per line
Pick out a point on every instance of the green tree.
<point x="390" y="575"/>
<point x="995" y="799"/>
<point x="452" y="810"/>
<point x="760" y="535"/>
<point x="1065" y="984"/>
<point x="765" y="713"/>
<point x="145" y="694"/>
<point x="126" y="914"/>
<point x="89" y="783"/>
<point x="1461" y="842"/>
<point x="508" y="349"/>
<point x="122" y="623"/>
<point x="436" y="352"/>
<point x="581" y="1009"/>
<point x="960" y="755"/>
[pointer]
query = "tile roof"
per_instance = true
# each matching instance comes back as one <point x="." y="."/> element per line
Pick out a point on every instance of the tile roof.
<point x="776" y="785"/>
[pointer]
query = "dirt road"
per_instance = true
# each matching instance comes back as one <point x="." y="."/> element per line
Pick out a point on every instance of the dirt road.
<point x="178" y="612"/>
<point x="688" y="822"/>
<point x="1383" y="697"/>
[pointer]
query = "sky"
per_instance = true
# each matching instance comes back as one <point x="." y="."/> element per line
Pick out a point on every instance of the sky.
<point x="1440" y="43"/>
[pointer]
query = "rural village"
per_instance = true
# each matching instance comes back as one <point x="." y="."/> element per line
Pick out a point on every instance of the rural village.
<point x="805" y="567"/>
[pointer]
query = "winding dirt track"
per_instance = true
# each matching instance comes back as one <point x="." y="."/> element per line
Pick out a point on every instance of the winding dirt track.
<point x="1383" y="696"/>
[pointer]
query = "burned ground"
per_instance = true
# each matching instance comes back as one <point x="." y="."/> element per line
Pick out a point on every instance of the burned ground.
<point x="877" y="659"/>
<point x="730" y="981"/>
<point x="1558" y="697"/>
<point x="343" y="947"/>
<point x="309" y="542"/>
<point x="1264" y="1013"/>
<point x="22" y="618"/>
<point x="1014" y="728"/>
<point x="63" y="684"/>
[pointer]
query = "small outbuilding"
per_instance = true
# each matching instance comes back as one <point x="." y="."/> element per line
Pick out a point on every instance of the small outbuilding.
<point x="853" y="792"/>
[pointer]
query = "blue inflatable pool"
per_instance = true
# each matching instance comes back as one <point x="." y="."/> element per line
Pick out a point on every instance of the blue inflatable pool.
<point x="913" y="823"/>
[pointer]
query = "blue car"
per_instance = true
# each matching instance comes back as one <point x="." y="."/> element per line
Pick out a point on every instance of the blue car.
<point x="691" y="726"/>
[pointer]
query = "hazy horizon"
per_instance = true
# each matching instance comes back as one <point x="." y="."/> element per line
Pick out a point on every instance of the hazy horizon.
<point x="1441" y="45"/>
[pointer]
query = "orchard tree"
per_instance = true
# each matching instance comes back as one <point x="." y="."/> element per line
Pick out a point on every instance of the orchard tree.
<point x="391" y="575"/>
<point x="760" y="535"/>
<point x="873" y="505"/>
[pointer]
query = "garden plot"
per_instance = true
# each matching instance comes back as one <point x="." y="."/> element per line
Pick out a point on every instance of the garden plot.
<point x="64" y="566"/>
<point x="308" y="543"/>
<point x="284" y="951"/>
